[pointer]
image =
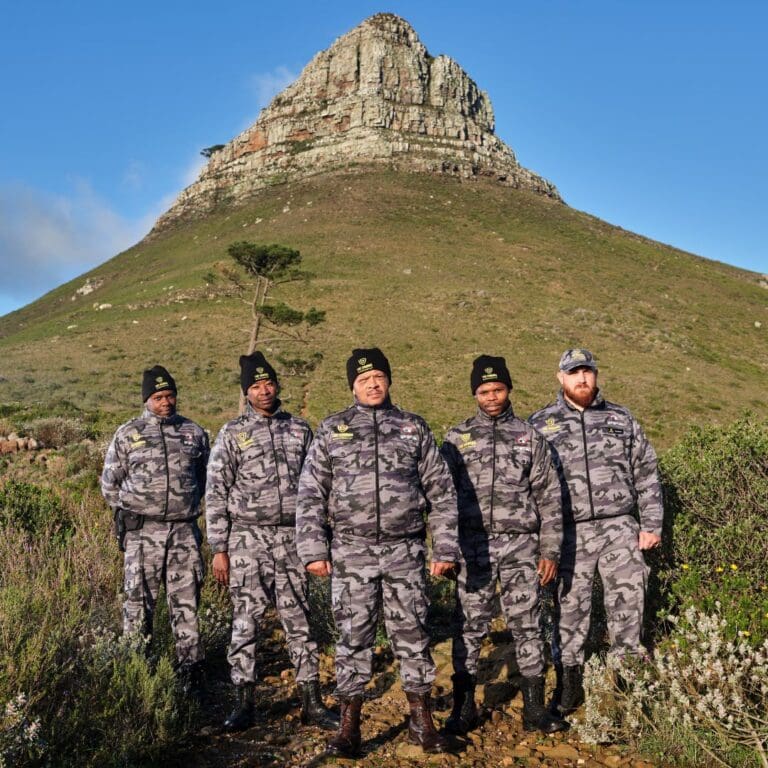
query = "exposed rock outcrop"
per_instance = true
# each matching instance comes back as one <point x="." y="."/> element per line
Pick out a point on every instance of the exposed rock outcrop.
<point x="375" y="96"/>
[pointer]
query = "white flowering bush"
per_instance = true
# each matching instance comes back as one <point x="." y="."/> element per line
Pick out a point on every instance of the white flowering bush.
<point x="20" y="737"/>
<point x="712" y="688"/>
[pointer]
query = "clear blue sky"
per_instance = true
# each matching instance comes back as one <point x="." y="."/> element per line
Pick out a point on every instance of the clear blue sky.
<point x="651" y="115"/>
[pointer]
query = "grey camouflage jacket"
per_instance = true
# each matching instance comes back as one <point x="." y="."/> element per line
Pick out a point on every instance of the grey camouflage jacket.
<point x="606" y="462"/>
<point x="156" y="467"/>
<point x="505" y="479"/>
<point x="253" y="474"/>
<point x="372" y="474"/>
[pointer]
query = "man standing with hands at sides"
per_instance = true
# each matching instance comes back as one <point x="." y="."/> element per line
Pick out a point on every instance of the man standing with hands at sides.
<point x="613" y="513"/>
<point x="510" y="533"/>
<point x="371" y="474"/>
<point x="250" y="507"/>
<point x="153" y="480"/>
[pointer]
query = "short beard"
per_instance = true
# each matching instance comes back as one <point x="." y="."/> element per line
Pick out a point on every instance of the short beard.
<point x="582" y="397"/>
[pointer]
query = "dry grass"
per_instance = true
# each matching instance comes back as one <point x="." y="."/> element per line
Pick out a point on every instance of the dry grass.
<point x="433" y="271"/>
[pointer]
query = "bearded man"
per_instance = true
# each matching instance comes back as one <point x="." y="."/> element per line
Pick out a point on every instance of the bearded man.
<point x="612" y="511"/>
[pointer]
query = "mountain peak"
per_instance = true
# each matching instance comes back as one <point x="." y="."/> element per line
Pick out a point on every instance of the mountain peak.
<point x="375" y="96"/>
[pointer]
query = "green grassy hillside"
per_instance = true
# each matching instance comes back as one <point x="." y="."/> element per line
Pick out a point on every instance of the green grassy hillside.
<point x="432" y="270"/>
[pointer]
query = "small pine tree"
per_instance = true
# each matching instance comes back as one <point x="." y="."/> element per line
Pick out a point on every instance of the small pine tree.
<point x="266" y="266"/>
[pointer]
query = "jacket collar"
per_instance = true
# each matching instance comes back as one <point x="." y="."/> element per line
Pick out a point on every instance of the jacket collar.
<point x="385" y="406"/>
<point x="155" y="419"/>
<point x="506" y="415"/>
<point x="252" y="413"/>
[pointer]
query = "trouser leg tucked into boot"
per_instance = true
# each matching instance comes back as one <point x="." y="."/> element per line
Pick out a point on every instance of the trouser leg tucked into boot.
<point x="463" y="717"/>
<point x="421" y="728"/>
<point x="241" y="716"/>
<point x="573" y="689"/>
<point x="346" y="742"/>
<point x="313" y="710"/>
<point x="535" y="715"/>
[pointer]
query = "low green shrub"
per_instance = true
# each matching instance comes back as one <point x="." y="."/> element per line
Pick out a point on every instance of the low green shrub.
<point x="33" y="509"/>
<point x="715" y="539"/>
<point x="56" y="431"/>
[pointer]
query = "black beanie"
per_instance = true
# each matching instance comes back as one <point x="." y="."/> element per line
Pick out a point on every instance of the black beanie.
<point x="156" y="379"/>
<point x="487" y="368"/>
<point x="255" y="368"/>
<point x="364" y="360"/>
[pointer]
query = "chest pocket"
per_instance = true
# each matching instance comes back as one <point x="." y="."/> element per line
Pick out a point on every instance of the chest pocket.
<point x="513" y="465"/>
<point x="400" y="454"/>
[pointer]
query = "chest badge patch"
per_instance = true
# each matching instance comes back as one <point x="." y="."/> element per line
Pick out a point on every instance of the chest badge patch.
<point x="466" y="442"/>
<point x="137" y="440"/>
<point x="342" y="433"/>
<point x="550" y="427"/>
<point x="244" y="440"/>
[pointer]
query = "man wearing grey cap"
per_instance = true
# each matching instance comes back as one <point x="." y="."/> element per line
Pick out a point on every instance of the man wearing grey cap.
<point x="613" y="511"/>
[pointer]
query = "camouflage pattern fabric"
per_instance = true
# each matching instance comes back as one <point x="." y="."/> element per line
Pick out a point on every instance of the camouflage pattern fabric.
<point x="505" y="479"/>
<point x="253" y="473"/>
<point x="155" y="467"/>
<point x="251" y="513"/>
<point x="362" y="571"/>
<point x="610" y="478"/>
<point x="608" y="466"/>
<point x="609" y="547"/>
<point x="165" y="553"/>
<point x="373" y="473"/>
<point x="510" y="561"/>
<point x="265" y="570"/>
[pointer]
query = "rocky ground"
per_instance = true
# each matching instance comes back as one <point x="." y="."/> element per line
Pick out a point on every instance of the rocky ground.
<point x="278" y="739"/>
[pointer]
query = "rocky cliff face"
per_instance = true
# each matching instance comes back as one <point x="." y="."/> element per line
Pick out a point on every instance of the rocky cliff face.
<point x="375" y="96"/>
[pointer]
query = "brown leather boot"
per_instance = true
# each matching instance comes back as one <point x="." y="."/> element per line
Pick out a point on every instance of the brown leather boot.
<point x="346" y="742"/>
<point x="421" y="728"/>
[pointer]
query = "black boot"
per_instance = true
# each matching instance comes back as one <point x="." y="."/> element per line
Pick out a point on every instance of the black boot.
<point x="572" y="696"/>
<point x="191" y="677"/>
<point x="346" y="742"/>
<point x="463" y="717"/>
<point x="241" y="717"/>
<point x="535" y="716"/>
<point x="421" y="727"/>
<point x="313" y="711"/>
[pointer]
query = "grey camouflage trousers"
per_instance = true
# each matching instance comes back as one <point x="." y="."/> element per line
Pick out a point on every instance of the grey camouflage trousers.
<point x="360" y="570"/>
<point x="265" y="570"/>
<point x="165" y="553"/>
<point x="610" y="547"/>
<point x="509" y="560"/>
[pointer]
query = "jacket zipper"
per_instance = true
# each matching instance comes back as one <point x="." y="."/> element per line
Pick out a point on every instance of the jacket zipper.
<point x="277" y="470"/>
<point x="586" y="465"/>
<point x="376" y="474"/>
<point x="167" y="471"/>
<point x="493" y="469"/>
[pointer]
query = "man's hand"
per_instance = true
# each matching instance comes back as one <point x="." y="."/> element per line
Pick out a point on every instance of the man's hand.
<point x="441" y="568"/>
<point x="320" y="567"/>
<point x="547" y="570"/>
<point x="221" y="568"/>
<point x="648" y="540"/>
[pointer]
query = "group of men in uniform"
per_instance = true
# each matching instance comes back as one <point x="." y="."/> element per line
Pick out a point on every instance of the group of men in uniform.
<point x="512" y="506"/>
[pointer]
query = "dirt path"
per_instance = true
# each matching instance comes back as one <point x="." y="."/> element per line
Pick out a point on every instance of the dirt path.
<point x="278" y="739"/>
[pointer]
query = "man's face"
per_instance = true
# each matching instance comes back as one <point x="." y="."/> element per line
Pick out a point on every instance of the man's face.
<point x="371" y="388"/>
<point x="579" y="385"/>
<point x="492" y="398"/>
<point x="262" y="395"/>
<point x="162" y="403"/>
